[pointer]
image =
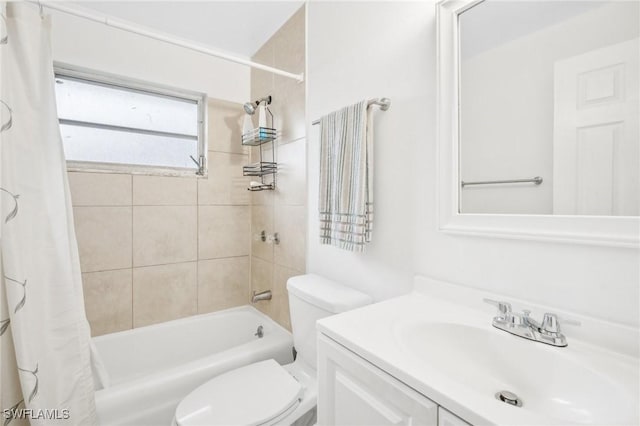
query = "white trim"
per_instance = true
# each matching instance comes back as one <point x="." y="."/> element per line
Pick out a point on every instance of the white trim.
<point x="592" y="230"/>
<point x="82" y="73"/>
<point x="130" y="169"/>
<point x="139" y="30"/>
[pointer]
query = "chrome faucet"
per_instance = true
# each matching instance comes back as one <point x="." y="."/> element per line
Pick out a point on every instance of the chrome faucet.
<point x="522" y="325"/>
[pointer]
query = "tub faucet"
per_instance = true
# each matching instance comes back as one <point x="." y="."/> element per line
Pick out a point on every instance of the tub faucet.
<point x="522" y="325"/>
<point x="263" y="295"/>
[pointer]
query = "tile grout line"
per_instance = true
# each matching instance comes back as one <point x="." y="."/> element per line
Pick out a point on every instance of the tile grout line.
<point x="106" y="270"/>
<point x="163" y="205"/>
<point x="276" y="148"/>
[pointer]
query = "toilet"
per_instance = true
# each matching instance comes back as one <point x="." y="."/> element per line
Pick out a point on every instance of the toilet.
<point x="265" y="392"/>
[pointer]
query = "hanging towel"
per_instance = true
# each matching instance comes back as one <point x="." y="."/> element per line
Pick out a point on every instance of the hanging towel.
<point x="346" y="178"/>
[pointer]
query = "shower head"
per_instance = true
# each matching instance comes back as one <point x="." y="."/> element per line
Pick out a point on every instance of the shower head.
<point x="250" y="107"/>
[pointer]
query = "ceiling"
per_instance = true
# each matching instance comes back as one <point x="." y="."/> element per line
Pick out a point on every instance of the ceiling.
<point x="239" y="27"/>
<point x="494" y="22"/>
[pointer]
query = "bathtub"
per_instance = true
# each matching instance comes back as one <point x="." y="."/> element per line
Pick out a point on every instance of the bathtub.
<point x="152" y="368"/>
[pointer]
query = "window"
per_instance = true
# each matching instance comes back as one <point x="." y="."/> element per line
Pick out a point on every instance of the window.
<point x="113" y="124"/>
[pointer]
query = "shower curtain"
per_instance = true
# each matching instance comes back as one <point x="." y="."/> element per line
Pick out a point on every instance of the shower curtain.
<point x="45" y="370"/>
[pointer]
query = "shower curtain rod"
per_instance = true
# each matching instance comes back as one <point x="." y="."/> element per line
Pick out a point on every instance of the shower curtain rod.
<point x="122" y="25"/>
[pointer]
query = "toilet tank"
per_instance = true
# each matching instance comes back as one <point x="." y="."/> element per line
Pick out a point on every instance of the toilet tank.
<point x="312" y="297"/>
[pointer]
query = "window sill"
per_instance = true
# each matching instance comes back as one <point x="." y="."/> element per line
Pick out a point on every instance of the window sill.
<point x="76" y="166"/>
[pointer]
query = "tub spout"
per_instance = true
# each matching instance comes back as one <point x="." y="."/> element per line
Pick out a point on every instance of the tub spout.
<point x="263" y="295"/>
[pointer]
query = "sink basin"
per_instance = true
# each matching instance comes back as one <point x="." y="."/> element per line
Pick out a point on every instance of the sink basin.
<point x="555" y="381"/>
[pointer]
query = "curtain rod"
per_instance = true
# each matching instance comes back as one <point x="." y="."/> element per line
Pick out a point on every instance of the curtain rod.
<point x="122" y="25"/>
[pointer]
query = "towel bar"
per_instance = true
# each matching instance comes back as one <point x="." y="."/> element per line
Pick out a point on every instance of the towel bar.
<point x="384" y="104"/>
<point x="537" y="180"/>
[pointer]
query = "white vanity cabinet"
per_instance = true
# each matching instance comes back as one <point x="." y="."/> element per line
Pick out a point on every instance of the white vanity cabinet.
<point x="352" y="391"/>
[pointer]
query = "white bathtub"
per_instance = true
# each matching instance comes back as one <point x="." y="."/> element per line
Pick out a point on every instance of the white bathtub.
<point x="152" y="368"/>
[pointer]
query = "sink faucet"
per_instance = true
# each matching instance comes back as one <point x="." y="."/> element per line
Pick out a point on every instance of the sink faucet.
<point x="522" y="325"/>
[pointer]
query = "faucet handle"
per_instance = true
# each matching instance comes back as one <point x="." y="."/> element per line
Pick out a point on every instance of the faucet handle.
<point x="551" y="323"/>
<point x="503" y="307"/>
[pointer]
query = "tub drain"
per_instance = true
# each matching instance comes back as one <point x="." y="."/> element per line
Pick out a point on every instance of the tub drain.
<point x="509" y="398"/>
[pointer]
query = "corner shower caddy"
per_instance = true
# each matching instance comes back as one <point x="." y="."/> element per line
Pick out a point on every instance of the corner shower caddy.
<point x="258" y="137"/>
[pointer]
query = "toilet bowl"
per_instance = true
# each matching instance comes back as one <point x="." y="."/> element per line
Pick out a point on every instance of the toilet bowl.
<point x="265" y="392"/>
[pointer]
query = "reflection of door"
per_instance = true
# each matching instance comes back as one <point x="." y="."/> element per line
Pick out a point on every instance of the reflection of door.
<point x="595" y="148"/>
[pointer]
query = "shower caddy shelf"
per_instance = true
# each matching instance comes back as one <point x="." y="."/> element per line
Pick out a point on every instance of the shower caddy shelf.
<point x="258" y="137"/>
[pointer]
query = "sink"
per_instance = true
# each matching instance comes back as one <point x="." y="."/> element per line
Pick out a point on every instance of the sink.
<point x="563" y="383"/>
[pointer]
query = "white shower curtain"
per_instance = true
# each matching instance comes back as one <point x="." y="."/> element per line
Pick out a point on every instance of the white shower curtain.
<point x="44" y="334"/>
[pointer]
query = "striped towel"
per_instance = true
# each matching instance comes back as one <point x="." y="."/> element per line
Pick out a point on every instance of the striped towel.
<point x="346" y="178"/>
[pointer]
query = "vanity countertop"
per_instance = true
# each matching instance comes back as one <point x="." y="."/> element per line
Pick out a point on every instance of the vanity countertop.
<point x="451" y="354"/>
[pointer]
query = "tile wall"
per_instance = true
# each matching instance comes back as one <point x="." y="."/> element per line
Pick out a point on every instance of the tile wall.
<point x="283" y="210"/>
<point x="154" y="248"/>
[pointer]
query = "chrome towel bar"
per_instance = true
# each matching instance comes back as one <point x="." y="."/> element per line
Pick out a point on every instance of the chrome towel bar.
<point x="383" y="103"/>
<point x="537" y="180"/>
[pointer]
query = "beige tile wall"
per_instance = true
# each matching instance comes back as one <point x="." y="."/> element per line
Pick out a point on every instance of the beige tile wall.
<point x="154" y="248"/>
<point x="283" y="210"/>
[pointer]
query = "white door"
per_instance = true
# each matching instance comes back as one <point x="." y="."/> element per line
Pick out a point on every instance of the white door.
<point x="595" y="147"/>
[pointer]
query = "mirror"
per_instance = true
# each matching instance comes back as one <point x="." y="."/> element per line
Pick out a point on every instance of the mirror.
<point x="508" y="119"/>
<point x="548" y="108"/>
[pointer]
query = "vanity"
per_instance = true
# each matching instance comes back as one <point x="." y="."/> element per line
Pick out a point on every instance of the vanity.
<point x="433" y="357"/>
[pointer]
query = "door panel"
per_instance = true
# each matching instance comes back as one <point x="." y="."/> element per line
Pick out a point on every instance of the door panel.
<point x="596" y="130"/>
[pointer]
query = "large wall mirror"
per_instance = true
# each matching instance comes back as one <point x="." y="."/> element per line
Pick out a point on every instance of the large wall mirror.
<point x="549" y="111"/>
<point x="539" y="119"/>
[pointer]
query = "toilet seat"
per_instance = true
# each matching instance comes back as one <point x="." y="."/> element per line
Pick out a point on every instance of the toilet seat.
<point x="257" y="394"/>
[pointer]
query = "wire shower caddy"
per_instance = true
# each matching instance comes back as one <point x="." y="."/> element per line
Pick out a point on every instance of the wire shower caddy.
<point x="267" y="165"/>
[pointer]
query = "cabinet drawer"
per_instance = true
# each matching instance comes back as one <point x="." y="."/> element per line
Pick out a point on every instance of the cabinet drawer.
<point x="352" y="392"/>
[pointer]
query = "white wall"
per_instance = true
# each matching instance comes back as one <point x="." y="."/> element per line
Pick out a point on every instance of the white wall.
<point x="366" y="50"/>
<point x="80" y="42"/>
<point x="373" y="49"/>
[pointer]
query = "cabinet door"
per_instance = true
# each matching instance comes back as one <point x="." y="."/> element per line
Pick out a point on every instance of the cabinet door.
<point x="447" y="418"/>
<point x="351" y="391"/>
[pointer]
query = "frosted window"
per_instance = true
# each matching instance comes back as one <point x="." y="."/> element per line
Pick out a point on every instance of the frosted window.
<point x="115" y="147"/>
<point x="110" y="123"/>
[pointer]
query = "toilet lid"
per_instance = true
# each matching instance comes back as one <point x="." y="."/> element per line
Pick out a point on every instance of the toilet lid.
<point x="250" y="395"/>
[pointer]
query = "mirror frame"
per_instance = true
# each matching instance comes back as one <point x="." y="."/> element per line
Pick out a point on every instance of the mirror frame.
<point x="622" y="231"/>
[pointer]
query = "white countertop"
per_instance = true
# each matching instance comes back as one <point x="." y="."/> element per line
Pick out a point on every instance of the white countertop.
<point x="378" y="333"/>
